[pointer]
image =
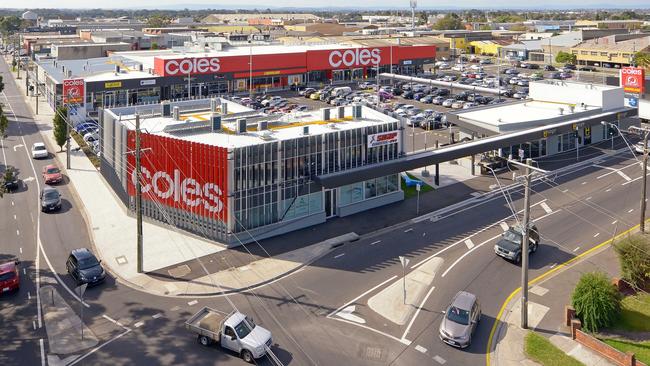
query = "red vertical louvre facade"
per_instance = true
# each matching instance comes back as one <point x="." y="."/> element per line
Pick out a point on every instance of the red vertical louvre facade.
<point x="185" y="175"/>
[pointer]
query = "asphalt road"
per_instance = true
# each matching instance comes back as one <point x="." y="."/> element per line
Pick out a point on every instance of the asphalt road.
<point x="137" y="328"/>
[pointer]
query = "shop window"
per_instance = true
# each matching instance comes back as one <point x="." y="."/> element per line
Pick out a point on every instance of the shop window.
<point x="371" y="189"/>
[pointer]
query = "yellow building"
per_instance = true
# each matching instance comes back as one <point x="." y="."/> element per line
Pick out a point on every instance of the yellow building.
<point x="488" y="47"/>
<point x="606" y="51"/>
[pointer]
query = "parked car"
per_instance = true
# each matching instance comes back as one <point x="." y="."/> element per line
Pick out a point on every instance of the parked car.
<point x="50" y="199"/>
<point x="460" y="320"/>
<point x="52" y="174"/>
<point x="233" y="331"/>
<point x="91" y="136"/>
<point x="458" y="104"/>
<point x="485" y="61"/>
<point x="306" y="91"/>
<point x="549" y="68"/>
<point x="438" y="100"/>
<point x="9" y="277"/>
<point x="587" y="68"/>
<point x="638" y="147"/>
<point x="11" y="181"/>
<point x="520" y="95"/>
<point x="469" y="105"/>
<point x="448" y="102"/>
<point x="570" y="66"/>
<point x="442" y="92"/>
<point x="522" y="83"/>
<point x="84" y="267"/>
<point x="414" y="121"/>
<point x="565" y="75"/>
<point x="509" y="246"/>
<point x="555" y="75"/>
<point x="39" y="151"/>
<point x="408" y="95"/>
<point x="427" y="99"/>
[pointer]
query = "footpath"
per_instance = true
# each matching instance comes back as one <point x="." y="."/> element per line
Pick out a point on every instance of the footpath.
<point x="169" y="254"/>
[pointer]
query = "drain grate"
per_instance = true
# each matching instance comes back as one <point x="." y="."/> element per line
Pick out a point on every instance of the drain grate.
<point x="180" y="271"/>
<point x="372" y="353"/>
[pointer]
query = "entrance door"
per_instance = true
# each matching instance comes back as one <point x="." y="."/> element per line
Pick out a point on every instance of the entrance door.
<point x="330" y="203"/>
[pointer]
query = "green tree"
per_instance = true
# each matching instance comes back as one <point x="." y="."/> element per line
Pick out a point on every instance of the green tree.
<point x="60" y="126"/>
<point x="641" y="59"/>
<point x="484" y="27"/>
<point x="518" y="28"/>
<point x="448" y="22"/>
<point x="8" y="174"/>
<point x="158" y="21"/>
<point x="2" y="86"/>
<point x="565" y="58"/>
<point x="154" y="46"/>
<point x="10" y="24"/>
<point x="4" y="124"/>
<point x="634" y="258"/>
<point x="596" y="301"/>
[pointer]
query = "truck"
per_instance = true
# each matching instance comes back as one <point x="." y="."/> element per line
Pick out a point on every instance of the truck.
<point x="509" y="246"/>
<point x="234" y="331"/>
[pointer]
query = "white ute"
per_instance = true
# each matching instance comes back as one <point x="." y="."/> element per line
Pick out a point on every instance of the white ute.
<point x="233" y="331"/>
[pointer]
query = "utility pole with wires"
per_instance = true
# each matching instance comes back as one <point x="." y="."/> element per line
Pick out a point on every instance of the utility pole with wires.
<point x="67" y="140"/>
<point x="525" y="227"/>
<point x="645" y="131"/>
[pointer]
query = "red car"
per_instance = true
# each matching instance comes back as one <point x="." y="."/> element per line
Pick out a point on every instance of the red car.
<point x="9" y="277"/>
<point x="52" y="174"/>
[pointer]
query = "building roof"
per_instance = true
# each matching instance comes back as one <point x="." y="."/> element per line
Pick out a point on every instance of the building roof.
<point x="610" y="43"/>
<point x="213" y="18"/>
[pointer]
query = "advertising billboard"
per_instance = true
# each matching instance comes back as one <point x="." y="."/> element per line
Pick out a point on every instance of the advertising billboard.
<point x="74" y="91"/>
<point x="181" y="174"/>
<point x="384" y="138"/>
<point x="633" y="79"/>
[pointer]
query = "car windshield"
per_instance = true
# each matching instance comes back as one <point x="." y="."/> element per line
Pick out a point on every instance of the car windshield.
<point x="39" y="147"/>
<point x="512" y="236"/>
<point x="243" y="328"/>
<point x="7" y="276"/>
<point x="89" y="262"/>
<point x="52" y="170"/>
<point x="457" y="315"/>
<point x="50" y="194"/>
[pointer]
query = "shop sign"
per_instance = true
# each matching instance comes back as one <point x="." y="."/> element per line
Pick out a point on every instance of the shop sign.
<point x="407" y="62"/>
<point x="355" y="57"/>
<point x="112" y="84"/>
<point x="277" y="72"/>
<point x="384" y="138"/>
<point x="200" y="65"/>
<point x="74" y="91"/>
<point x="148" y="82"/>
<point x="632" y="79"/>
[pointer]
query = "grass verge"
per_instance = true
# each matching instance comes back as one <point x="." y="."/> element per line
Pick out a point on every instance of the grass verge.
<point x="635" y="313"/>
<point x="85" y="148"/>
<point x="541" y="350"/>
<point x="412" y="191"/>
<point x="640" y="349"/>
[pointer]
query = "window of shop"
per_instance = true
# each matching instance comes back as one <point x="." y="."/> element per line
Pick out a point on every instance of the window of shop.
<point x="381" y="186"/>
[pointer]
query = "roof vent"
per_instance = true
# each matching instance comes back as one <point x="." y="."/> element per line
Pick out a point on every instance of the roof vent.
<point x="561" y="111"/>
<point x="305" y="130"/>
<point x="176" y="113"/>
<point x="572" y="108"/>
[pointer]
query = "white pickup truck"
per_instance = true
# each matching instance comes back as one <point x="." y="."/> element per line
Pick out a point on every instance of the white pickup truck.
<point x="233" y="331"/>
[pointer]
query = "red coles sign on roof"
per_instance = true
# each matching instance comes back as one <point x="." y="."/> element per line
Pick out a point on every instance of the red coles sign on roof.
<point x="633" y="79"/>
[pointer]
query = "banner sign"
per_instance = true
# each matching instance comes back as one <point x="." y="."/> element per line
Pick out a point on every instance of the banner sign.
<point x="74" y="91"/>
<point x="633" y="79"/>
<point x="384" y="138"/>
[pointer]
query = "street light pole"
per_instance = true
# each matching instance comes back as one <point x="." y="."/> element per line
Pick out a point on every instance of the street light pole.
<point x="138" y="195"/>
<point x="524" y="248"/>
<point x="645" y="178"/>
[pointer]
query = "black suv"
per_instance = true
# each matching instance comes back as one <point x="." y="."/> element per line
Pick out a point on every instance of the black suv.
<point x="84" y="267"/>
<point x="509" y="246"/>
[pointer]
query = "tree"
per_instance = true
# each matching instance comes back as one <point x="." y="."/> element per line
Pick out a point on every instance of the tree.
<point x="448" y="22"/>
<point x="596" y="301"/>
<point x="519" y="28"/>
<point x="4" y="124"/>
<point x="485" y="27"/>
<point x="60" y="126"/>
<point x="158" y="21"/>
<point x="634" y="257"/>
<point x="2" y="85"/>
<point x="565" y="58"/>
<point x="641" y="59"/>
<point x="10" y="24"/>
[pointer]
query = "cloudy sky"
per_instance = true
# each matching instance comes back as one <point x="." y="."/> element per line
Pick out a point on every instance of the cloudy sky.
<point x="319" y="3"/>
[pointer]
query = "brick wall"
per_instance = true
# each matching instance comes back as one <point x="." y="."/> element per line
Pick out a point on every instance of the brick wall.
<point x="605" y="350"/>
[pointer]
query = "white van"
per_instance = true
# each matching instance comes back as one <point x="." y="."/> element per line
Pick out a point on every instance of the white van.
<point x="340" y="91"/>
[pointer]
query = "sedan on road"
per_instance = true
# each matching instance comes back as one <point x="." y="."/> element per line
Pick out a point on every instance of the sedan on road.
<point x="11" y="179"/>
<point x="84" y="267"/>
<point x="460" y="320"/>
<point x="39" y="151"/>
<point x="52" y="174"/>
<point x="9" y="277"/>
<point x="50" y="199"/>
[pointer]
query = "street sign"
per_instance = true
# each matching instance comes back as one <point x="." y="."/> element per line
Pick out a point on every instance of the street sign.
<point x="417" y="187"/>
<point x="405" y="261"/>
<point x="522" y="153"/>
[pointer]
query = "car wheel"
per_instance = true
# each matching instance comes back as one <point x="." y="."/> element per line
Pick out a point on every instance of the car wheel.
<point x="247" y="356"/>
<point x="518" y="258"/>
<point x="203" y="340"/>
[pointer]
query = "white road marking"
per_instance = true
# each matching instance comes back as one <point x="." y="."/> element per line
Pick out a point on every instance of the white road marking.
<point x="576" y="249"/>
<point x="375" y="242"/>
<point x="12" y="203"/>
<point x="18" y="232"/>
<point x="545" y="207"/>
<point x="339" y="255"/>
<point x="347" y="314"/>
<point x="113" y="321"/>
<point x="565" y="190"/>
<point x="156" y="316"/>
<point x="42" y="345"/>
<point x="425" y="234"/>
<point x="439" y="360"/>
<point x="193" y="302"/>
<point x="15" y="217"/>
<point x="99" y="347"/>
<point x="596" y="235"/>
<point x="34" y="324"/>
<point x="588" y="198"/>
<point x="623" y="175"/>
<point x="469" y="243"/>
<point x="424" y="300"/>
<point x="608" y="190"/>
<point x="408" y="230"/>
<point x="420" y="349"/>
<point x="16" y="147"/>
<point x="504" y="226"/>
<point x="29" y="295"/>
<point x="360" y="296"/>
<point x="583" y="183"/>
<point x="24" y="271"/>
<point x="614" y="222"/>
<point x="553" y="265"/>
<point x="633" y="180"/>
<point x="138" y="324"/>
<point x="539" y="290"/>
<point x="630" y="210"/>
<point x="21" y="250"/>
<point x="403" y="341"/>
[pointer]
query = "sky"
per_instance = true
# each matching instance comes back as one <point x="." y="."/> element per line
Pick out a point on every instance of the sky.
<point x="319" y="3"/>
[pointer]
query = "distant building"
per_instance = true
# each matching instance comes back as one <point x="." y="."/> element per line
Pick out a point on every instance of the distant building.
<point x="609" y="24"/>
<point x="324" y="29"/>
<point x="611" y="51"/>
<point x="30" y="16"/>
<point x="244" y="18"/>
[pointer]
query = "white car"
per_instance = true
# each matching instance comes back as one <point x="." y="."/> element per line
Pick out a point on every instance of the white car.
<point x="458" y="104"/>
<point x="638" y="147"/>
<point x="39" y="151"/>
<point x="476" y="67"/>
<point x="448" y="102"/>
<point x="91" y="136"/>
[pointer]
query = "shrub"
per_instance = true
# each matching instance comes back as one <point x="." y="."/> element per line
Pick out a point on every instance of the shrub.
<point x="634" y="257"/>
<point x="596" y="301"/>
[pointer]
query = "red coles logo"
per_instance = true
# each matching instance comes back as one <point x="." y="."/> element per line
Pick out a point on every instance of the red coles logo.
<point x="355" y="57"/>
<point x="632" y="79"/>
<point x="74" y="91"/>
<point x="201" y="65"/>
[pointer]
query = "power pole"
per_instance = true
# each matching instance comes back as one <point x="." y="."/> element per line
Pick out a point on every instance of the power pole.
<point x="645" y="131"/>
<point x="67" y="140"/>
<point x="138" y="193"/>
<point x="36" y="88"/>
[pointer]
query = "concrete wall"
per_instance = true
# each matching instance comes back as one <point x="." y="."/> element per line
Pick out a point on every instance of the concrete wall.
<point x="644" y="109"/>
<point x="81" y="52"/>
<point x="576" y="93"/>
<point x="370" y="203"/>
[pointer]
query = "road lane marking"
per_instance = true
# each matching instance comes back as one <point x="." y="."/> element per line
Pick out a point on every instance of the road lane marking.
<point x="420" y="349"/>
<point x="34" y="324"/>
<point x="29" y="295"/>
<point x="469" y="243"/>
<point x="623" y="175"/>
<point x="15" y="217"/>
<point x="339" y="255"/>
<point x="12" y="203"/>
<point x="546" y="208"/>
<point x="24" y="271"/>
<point x="417" y="312"/>
<point x="193" y="302"/>
<point x="99" y="347"/>
<point x="408" y="230"/>
<point x="608" y="190"/>
<point x="596" y="235"/>
<point x="114" y="321"/>
<point x="156" y="316"/>
<point x="138" y="324"/>
<point x="18" y="232"/>
<point x="375" y="242"/>
<point x="614" y="222"/>
<point x="360" y="296"/>
<point x="583" y="183"/>
<point x="588" y="198"/>
<point x="439" y="360"/>
<point x="553" y="265"/>
<point x="633" y="180"/>
<point x="630" y="210"/>
<point x="576" y="249"/>
<point x="21" y="250"/>
<point x="18" y="146"/>
<point x="504" y="226"/>
<point x="565" y="190"/>
<point x="42" y="346"/>
<point x="347" y="314"/>
<point x="175" y="308"/>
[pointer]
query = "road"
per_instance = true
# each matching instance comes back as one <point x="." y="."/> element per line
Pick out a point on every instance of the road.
<point x="573" y="213"/>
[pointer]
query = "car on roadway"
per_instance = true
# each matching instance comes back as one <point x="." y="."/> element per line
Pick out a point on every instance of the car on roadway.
<point x="509" y="246"/>
<point x="460" y="320"/>
<point x="50" y="199"/>
<point x="52" y="174"/>
<point x="638" y="147"/>
<point x="84" y="267"/>
<point x="39" y="151"/>
<point x="9" y="277"/>
<point x="10" y="179"/>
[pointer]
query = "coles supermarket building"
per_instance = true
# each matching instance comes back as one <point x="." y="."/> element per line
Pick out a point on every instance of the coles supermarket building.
<point x="141" y="77"/>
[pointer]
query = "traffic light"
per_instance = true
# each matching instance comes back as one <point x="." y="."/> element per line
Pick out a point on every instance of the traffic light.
<point x="612" y="130"/>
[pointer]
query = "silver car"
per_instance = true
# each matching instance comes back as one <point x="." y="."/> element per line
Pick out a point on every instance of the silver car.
<point x="460" y="320"/>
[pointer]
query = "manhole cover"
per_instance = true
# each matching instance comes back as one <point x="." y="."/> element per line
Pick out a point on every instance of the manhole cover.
<point x="180" y="271"/>
<point x="372" y="353"/>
